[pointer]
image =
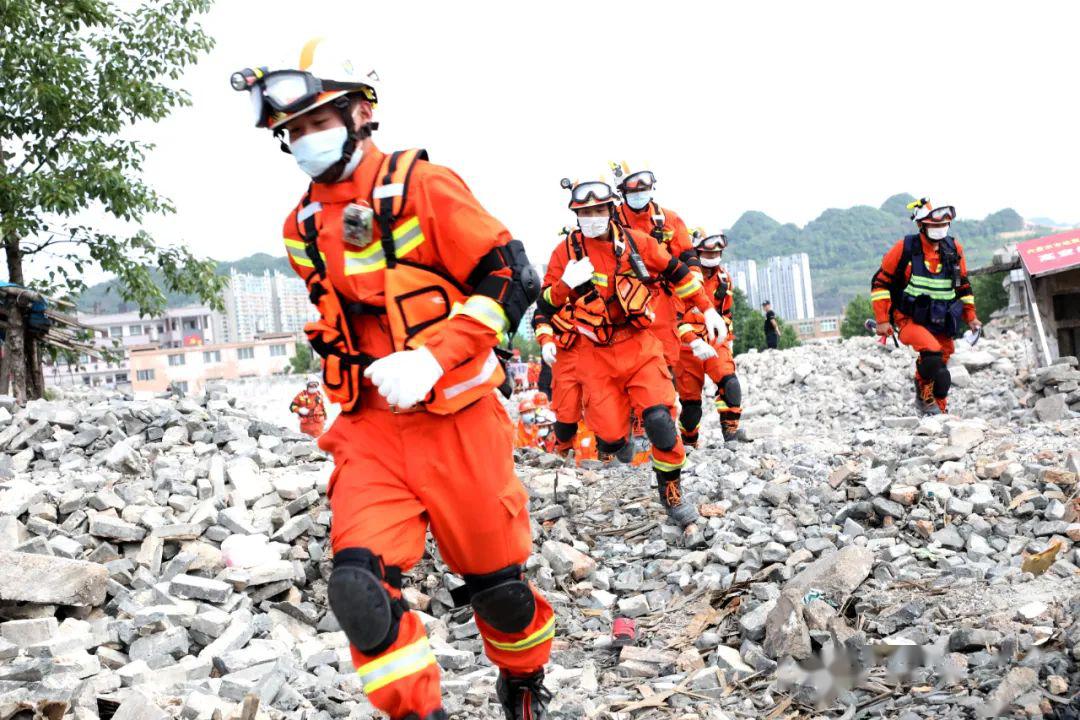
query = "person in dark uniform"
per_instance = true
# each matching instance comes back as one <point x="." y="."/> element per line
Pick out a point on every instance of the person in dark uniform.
<point x="772" y="328"/>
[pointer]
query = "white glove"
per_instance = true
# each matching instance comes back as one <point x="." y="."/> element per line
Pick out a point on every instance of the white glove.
<point x="702" y="350"/>
<point x="578" y="272"/>
<point x="548" y="353"/>
<point x="304" y="411"/>
<point x="405" y="378"/>
<point x="715" y="324"/>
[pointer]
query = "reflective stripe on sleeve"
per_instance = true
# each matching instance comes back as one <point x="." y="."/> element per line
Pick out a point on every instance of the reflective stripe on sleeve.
<point x="688" y="287"/>
<point x="488" y="313"/>
<point x="880" y="295"/>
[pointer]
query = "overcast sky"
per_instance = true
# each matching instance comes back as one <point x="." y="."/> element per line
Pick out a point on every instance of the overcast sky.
<point x="785" y="107"/>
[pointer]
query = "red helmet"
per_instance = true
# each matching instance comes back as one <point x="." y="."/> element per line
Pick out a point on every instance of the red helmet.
<point x="526" y="406"/>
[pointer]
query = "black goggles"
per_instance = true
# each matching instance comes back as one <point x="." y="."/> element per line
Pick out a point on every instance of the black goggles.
<point x="643" y="180"/>
<point x="284" y="91"/>
<point x="943" y="214"/>
<point x="591" y="191"/>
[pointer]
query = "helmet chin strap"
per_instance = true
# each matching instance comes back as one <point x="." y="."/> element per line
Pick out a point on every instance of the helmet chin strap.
<point x="352" y="139"/>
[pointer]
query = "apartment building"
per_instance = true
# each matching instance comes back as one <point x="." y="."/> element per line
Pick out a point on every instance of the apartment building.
<point x="190" y="368"/>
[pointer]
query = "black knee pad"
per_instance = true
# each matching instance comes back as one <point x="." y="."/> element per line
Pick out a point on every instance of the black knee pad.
<point x="659" y="427"/>
<point x="928" y="365"/>
<point x="942" y="382"/>
<point x="565" y="432"/>
<point x="610" y="448"/>
<point x="362" y="606"/>
<point x="690" y="417"/>
<point x="732" y="391"/>
<point x="502" y="599"/>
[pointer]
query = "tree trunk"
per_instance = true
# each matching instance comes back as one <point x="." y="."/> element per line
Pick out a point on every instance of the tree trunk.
<point x="17" y="340"/>
<point x="16" y="352"/>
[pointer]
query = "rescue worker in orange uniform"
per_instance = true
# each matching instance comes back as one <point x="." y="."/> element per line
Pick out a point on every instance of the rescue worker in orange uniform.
<point x="700" y="357"/>
<point x="554" y="330"/>
<point x="922" y="288"/>
<point x="621" y="363"/>
<point x="415" y="284"/>
<point x="308" y="404"/>
<point x="535" y="423"/>
<point x="639" y="211"/>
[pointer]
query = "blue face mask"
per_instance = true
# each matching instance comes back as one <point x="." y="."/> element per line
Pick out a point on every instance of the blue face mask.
<point x="638" y="200"/>
<point x="317" y="151"/>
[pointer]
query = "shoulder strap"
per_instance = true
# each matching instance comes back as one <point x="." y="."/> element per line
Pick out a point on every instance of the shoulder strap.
<point x="388" y="197"/>
<point x="574" y="240"/>
<point x="656" y="214"/>
<point x="306" y="228"/>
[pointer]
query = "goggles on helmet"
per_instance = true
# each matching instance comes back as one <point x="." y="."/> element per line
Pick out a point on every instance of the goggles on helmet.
<point x="943" y="214"/>
<point x="286" y="91"/>
<point x="643" y="180"/>
<point x="712" y="243"/>
<point x="590" y="193"/>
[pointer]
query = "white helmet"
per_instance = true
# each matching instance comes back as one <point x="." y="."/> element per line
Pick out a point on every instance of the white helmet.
<point x="324" y="72"/>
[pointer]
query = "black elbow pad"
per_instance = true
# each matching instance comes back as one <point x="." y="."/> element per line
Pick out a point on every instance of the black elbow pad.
<point x="515" y="293"/>
<point x="690" y="258"/>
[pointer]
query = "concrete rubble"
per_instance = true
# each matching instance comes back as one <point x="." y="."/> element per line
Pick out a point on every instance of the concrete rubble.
<point x="168" y="558"/>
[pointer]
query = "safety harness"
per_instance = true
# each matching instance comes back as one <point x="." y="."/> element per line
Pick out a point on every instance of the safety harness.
<point x="419" y="298"/>
<point x="928" y="298"/>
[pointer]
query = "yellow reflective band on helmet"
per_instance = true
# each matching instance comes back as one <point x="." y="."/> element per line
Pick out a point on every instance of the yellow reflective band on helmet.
<point x="407" y="237"/>
<point x="600" y="279"/>
<point x="542" y="635"/>
<point x="667" y="467"/>
<point x="688" y="287"/>
<point x="487" y="312"/>
<point x="394" y="666"/>
<point x="879" y="295"/>
<point x="298" y="254"/>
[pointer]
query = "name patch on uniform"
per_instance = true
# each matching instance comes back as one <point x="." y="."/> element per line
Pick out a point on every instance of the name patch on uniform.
<point x="357" y="221"/>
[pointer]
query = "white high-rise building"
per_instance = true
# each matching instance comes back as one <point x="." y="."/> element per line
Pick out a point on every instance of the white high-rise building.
<point x="292" y="307"/>
<point x="267" y="303"/>
<point x="744" y="273"/>
<point x="785" y="282"/>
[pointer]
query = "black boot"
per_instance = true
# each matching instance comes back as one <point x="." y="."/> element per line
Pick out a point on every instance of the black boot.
<point x="523" y="698"/>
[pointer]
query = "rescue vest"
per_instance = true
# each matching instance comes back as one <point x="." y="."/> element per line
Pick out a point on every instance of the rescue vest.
<point x="597" y="317"/>
<point x="419" y="301"/>
<point x="929" y="298"/>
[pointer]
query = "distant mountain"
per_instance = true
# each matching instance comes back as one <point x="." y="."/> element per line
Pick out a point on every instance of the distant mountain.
<point x="845" y="246"/>
<point x="1047" y="222"/>
<point x="102" y="298"/>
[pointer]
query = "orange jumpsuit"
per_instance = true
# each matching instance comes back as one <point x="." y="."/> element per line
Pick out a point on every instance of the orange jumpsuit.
<point x="397" y="474"/>
<point x="312" y="423"/>
<point x="928" y="344"/>
<point x="691" y="378"/>
<point x="567" y="390"/>
<point x="676" y="241"/>
<point x="629" y="374"/>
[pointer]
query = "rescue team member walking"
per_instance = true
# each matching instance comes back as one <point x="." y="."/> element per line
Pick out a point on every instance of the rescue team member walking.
<point x="415" y="284"/>
<point x="622" y="364"/>
<point x="700" y="357"/>
<point x="922" y="287"/>
<point x="554" y="330"/>
<point x="308" y="404"/>
<point x="640" y="212"/>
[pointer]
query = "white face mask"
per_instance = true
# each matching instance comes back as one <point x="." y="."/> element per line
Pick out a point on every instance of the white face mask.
<point x="317" y="151"/>
<point x="710" y="262"/>
<point x="593" y="227"/>
<point x="638" y="200"/>
<point x="937" y="232"/>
